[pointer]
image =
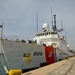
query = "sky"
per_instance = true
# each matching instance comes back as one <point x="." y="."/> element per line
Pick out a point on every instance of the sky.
<point x="20" y="17"/>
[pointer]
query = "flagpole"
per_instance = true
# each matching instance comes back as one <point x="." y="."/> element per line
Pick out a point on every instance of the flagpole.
<point x="2" y="31"/>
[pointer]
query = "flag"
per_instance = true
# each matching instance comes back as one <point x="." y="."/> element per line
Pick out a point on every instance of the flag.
<point x="0" y="26"/>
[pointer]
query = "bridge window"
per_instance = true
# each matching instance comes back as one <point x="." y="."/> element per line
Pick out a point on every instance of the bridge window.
<point x="53" y="32"/>
<point x="49" y="32"/>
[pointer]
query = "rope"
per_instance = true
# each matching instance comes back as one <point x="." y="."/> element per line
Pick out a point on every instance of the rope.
<point x="5" y="56"/>
<point x="3" y="64"/>
<point x="2" y="59"/>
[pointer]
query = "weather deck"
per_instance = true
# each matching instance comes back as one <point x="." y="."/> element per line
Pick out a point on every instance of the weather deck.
<point x="65" y="67"/>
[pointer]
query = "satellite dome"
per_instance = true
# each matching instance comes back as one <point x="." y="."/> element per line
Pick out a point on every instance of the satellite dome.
<point x="45" y="26"/>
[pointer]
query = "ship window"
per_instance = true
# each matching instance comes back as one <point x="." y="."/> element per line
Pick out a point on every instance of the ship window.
<point x="37" y="34"/>
<point x="53" y="32"/>
<point x="45" y="33"/>
<point x="58" y="35"/>
<point x="41" y="34"/>
<point x="49" y="32"/>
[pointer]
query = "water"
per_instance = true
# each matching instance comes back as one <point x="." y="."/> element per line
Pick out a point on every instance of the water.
<point x="2" y="71"/>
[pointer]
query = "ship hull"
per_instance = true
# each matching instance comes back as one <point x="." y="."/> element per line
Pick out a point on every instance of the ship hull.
<point x="27" y="56"/>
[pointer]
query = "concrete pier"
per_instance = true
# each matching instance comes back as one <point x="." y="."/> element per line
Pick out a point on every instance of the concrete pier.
<point x="65" y="67"/>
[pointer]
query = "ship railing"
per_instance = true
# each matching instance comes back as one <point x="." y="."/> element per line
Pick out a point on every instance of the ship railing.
<point x="16" y="39"/>
<point x="12" y="38"/>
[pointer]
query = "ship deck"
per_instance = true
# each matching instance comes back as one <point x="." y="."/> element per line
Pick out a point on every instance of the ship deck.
<point x="65" y="67"/>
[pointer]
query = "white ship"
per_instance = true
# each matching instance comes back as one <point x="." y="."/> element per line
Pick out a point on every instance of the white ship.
<point x="47" y="47"/>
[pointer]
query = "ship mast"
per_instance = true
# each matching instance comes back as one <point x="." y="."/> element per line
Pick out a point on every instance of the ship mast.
<point x="37" y="22"/>
<point x="51" y="17"/>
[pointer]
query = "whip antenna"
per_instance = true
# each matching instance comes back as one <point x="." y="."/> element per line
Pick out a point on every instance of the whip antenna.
<point x="62" y="25"/>
<point x="37" y="21"/>
<point x="51" y="17"/>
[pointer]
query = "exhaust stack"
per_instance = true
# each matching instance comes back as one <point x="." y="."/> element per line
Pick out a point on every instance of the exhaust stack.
<point x="54" y="25"/>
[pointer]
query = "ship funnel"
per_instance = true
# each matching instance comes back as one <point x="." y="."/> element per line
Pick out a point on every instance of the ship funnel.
<point x="45" y="27"/>
<point x="54" y="25"/>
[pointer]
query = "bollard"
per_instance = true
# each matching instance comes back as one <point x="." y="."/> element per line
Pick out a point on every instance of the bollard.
<point x="15" y="72"/>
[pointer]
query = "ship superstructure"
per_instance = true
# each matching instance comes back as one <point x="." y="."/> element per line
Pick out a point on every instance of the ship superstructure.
<point x="51" y="38"/>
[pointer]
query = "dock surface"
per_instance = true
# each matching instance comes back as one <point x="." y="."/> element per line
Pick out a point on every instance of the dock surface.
<point x="65" y="67"/>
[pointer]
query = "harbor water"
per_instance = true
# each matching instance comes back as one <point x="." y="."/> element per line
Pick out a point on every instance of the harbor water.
<point x="2" y="71"/>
